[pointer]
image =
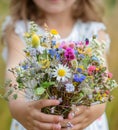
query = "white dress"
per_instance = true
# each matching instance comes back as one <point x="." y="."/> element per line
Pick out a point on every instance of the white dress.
<point x="79" y="32"/>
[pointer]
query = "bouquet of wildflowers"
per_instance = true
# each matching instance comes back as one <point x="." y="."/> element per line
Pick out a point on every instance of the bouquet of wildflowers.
<point x="72" y="72"/>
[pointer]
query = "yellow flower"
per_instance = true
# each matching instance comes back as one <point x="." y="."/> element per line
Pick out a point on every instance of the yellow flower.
<point x="91" y="77"/>
<point x="75" y="84"/>
<point x="80" y="51"/>
<point x="104" y="95"/>
<point x="45" y="63"/>
<point x="82" y="67"/>
<point x="54" y="32"/>
<point x="88" y="51"/>
<point x="27" y="54"/>
<point x="99" y="97"/>
<point x="27" y="35"/>
<point x="43" y="44"/>
<point x="57" y="45"/>
<point x="74" y="64"/>
<point x="97" y="69"/>
<point x="35" y="40"/>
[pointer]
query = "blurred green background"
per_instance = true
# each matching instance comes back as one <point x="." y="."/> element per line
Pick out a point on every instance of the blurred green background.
<point x="111" y="20"/>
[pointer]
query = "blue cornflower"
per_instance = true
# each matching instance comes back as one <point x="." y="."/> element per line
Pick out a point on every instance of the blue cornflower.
<point x="94" y="58"/>
<point x="25" y="67"/>
<point x="52" y="52"/>
<point x="53" y="42"/>
<point x="79" y="70"/>
<point x="79" y="78"/>
<point x="58" y="57"/>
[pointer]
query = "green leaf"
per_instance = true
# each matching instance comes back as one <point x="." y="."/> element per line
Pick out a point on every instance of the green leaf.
<point x="15" y="96"/>
<point x="47" y="84"/>
<point x="39" y="91"/>
<point x="45" y="54"/>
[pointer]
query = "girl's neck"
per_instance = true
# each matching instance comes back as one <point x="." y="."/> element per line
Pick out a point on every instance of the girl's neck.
<point x="62" y="22"/>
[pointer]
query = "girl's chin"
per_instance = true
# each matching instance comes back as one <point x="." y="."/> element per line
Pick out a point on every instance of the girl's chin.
<point x="54" y="1"/>
<point x="54" y="10"/>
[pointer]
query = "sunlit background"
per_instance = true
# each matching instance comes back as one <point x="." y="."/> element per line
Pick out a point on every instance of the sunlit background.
<point x="111" y="20"/>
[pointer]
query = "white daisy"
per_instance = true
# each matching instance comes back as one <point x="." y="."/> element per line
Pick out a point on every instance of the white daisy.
<point x="62" y="72"/>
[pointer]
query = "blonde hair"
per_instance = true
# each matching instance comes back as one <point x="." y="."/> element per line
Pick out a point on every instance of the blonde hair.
<point x="86" y="10"/>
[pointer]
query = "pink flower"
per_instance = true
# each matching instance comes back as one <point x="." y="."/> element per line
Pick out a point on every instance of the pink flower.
<point x="107" y="92"/>
<point x="91" y="69"/>
<point x="64" y="45"/>
<point x="69" y="54"/>
<point x="71" y="44"/>
<point x="110" y="75"/>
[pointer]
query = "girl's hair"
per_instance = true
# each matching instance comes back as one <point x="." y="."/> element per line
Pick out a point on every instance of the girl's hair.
<point x="86" y="10"/>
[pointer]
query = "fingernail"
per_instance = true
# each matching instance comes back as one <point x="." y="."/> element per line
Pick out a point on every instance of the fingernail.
<point x="58" y="127"/>
<point x="71" y="115"/>
<point x="57" y="102"/>
<point x="60" y="118"/>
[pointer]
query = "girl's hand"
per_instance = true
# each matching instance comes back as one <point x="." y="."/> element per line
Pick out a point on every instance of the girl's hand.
<point x="83" y="116"/>
<point x="33" y="119"/>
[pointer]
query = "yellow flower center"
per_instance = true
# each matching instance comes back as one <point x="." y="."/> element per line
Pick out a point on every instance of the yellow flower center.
<point x="61" y="72"/>
<point x="54" y="32"/>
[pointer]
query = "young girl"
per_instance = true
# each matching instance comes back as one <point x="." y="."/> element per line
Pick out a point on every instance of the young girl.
<point x="75" y="20"/>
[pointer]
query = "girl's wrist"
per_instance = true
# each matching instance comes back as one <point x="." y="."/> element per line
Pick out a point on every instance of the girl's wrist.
<point x="97" y="110"/>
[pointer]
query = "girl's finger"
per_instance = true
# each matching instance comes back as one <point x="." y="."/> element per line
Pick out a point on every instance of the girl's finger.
<point x="81" y="119"/>
<point x="77" y="111"/>
<point x="44" y="103"/>
<point x="47" y="118"/>
<point x="47" y="126"/>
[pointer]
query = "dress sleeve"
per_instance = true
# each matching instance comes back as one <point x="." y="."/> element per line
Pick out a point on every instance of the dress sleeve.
<point x="7" y="22"/>
<point x="19" y="29"/>
<point x="95" y="28"/>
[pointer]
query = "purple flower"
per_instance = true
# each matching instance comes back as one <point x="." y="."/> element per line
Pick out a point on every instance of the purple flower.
<point x="69" y="54"/>
<point x="87" y="41"/>
<point x="79" y="70"/>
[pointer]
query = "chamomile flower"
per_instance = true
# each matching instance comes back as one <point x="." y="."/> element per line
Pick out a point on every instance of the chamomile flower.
<point x="62" y="73"/>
